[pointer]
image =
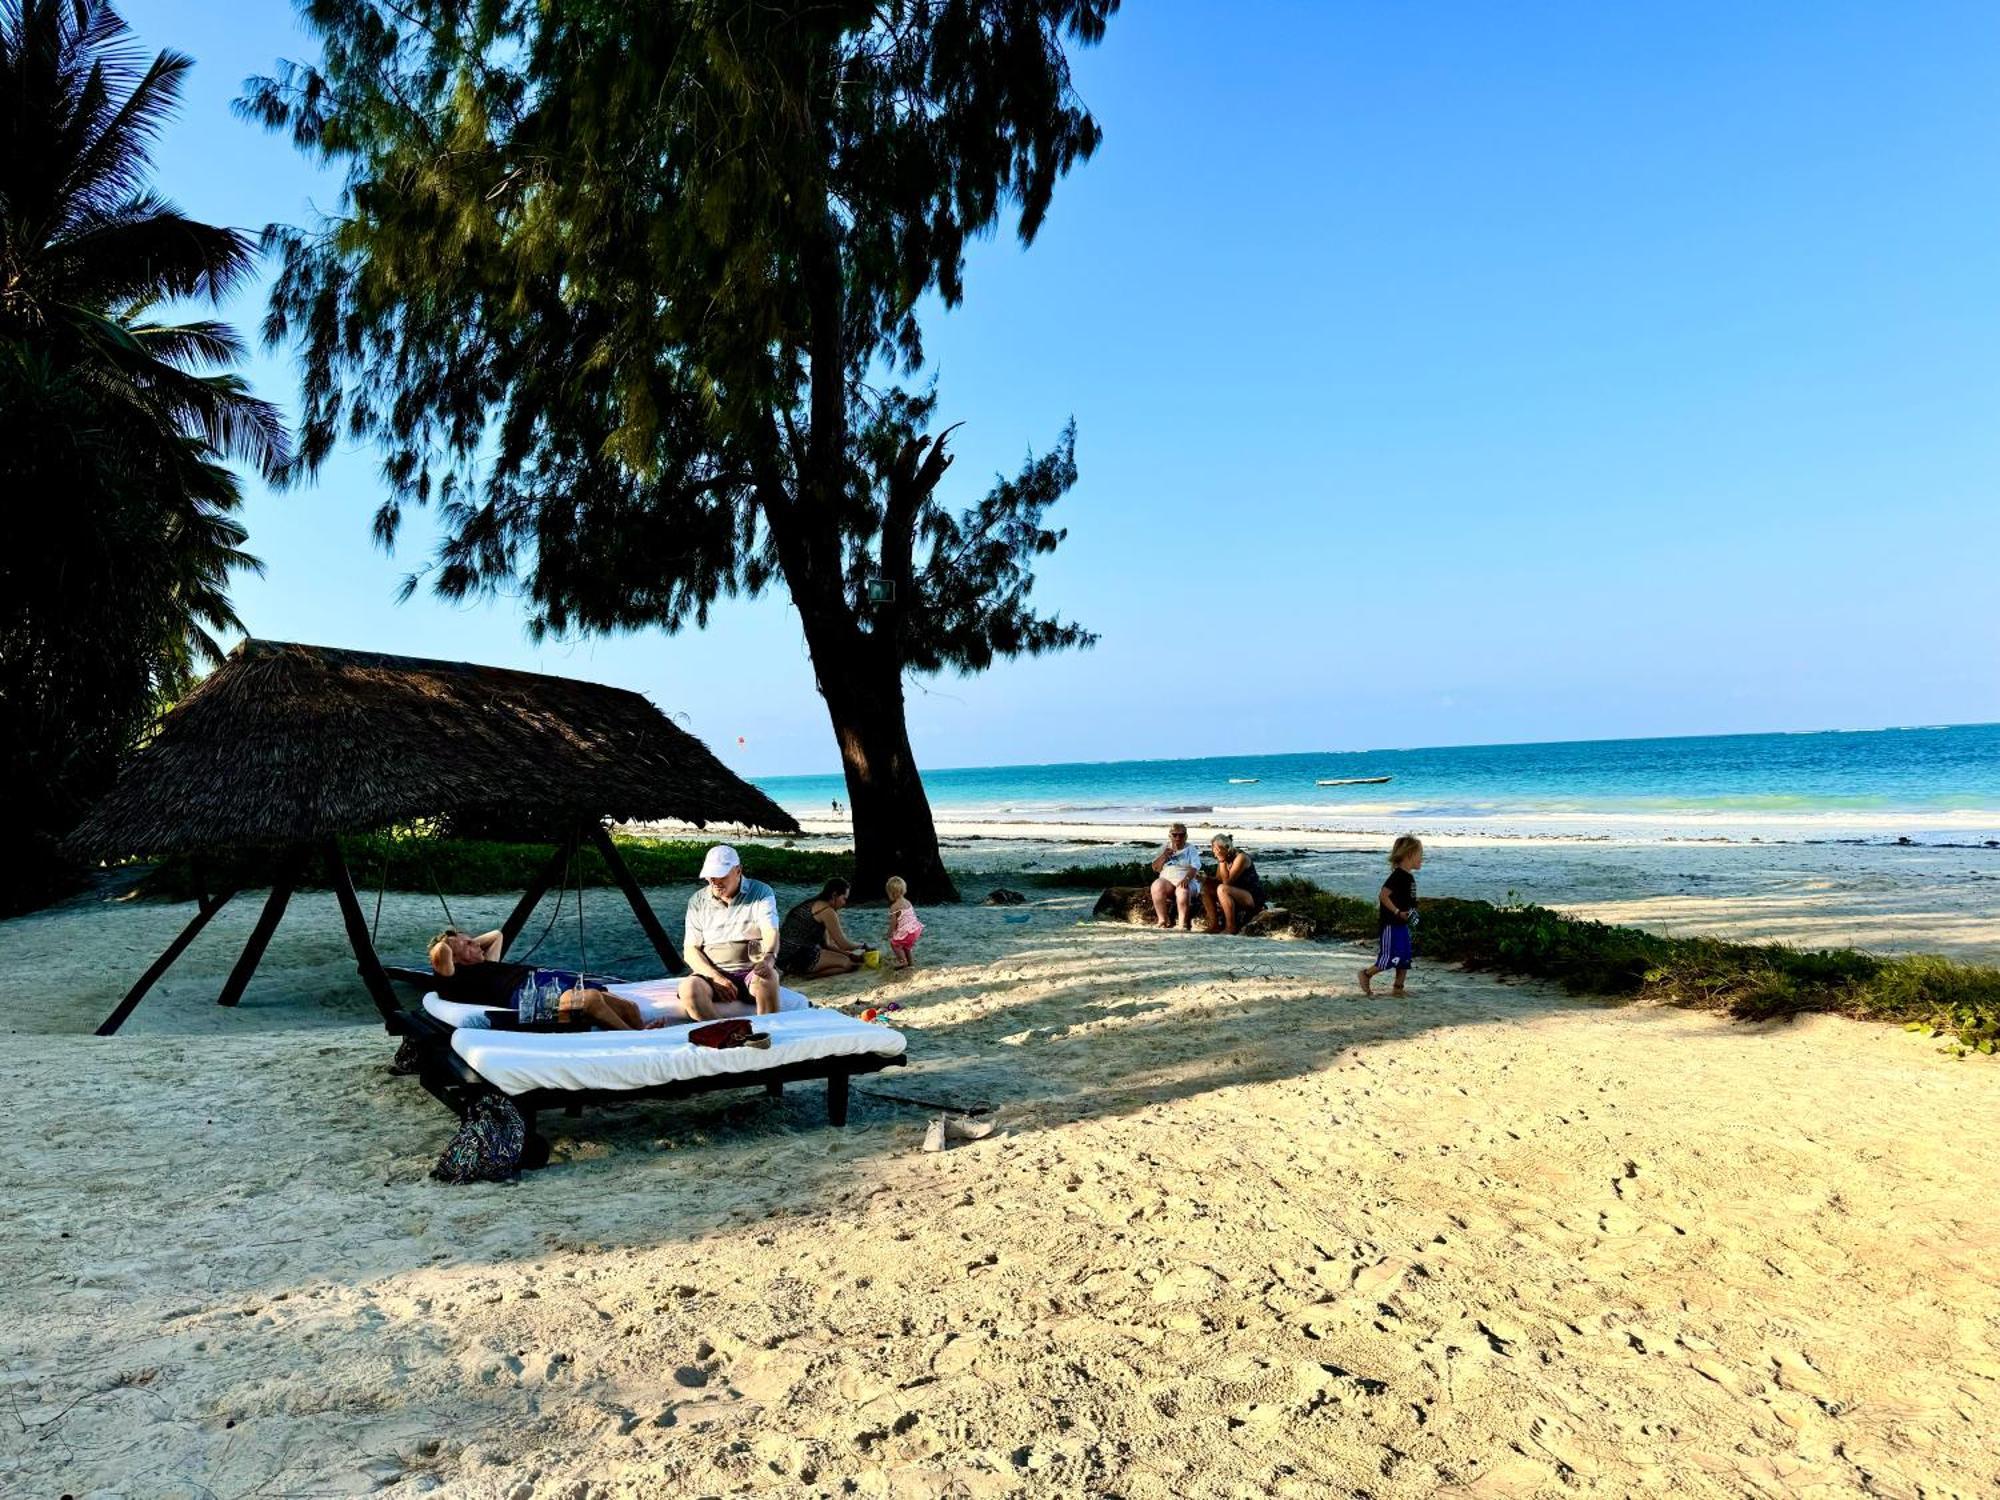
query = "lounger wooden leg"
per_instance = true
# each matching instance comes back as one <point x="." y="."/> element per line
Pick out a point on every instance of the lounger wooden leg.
<point x="774" y="1089"/>
<point x="836" y="1099"/>
<point x="535" y="1149"/>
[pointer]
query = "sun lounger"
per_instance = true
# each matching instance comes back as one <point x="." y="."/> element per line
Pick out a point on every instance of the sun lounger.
<point x="458" y="1058"/>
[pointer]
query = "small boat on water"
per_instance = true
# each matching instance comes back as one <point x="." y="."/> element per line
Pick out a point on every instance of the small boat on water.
<point x="1243" y="781"/>
<point x="1355" y="780"/>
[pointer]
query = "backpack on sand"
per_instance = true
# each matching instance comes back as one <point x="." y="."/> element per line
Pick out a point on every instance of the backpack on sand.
<point x="488" y="1145"/>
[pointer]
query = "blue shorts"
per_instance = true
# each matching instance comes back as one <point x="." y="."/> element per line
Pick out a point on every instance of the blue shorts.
<point x="1396" y="949"/>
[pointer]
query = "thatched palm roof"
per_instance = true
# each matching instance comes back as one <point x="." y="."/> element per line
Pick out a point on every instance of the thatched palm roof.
<point x="284" y="743"/>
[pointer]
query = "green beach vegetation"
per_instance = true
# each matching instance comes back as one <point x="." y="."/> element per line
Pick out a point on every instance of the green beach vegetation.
<point x="1753" y="981"/>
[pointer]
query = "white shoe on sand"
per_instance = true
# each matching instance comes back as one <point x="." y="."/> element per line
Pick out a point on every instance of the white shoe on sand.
<point x="934" y="1137"/>
<point x="964" y="1128"/>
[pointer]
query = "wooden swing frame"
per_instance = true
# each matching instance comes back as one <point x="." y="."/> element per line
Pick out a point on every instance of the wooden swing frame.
<point x="375" y="974"/>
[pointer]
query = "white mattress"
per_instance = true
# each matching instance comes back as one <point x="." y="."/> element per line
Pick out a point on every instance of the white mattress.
<point x="654" y="997"/>
<point x="516" y="1062"/>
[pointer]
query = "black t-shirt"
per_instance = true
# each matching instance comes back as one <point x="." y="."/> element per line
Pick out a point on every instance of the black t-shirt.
<point x="491" y="983"/>
<point x="1402" y="888"/>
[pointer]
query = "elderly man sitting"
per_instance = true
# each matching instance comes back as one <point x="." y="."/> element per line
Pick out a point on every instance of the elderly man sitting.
<point x="1177" y="878"/>
<point x="727" y="919"/>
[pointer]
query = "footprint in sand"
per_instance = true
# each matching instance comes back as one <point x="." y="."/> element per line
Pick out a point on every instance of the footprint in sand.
<point x="1372" y="1283"/>
<point x="1794" y="1372"/>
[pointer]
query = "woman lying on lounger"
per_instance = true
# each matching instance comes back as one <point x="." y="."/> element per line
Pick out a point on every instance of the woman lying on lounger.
<point x="471" y="971"/>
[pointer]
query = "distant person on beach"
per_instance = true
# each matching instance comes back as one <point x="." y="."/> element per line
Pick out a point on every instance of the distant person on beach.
<point x="728" y="919"/>
<point x="904" y="926"/>
<point x="1396" y="905"/>
<point x="1237" y="891"/>
<point x="811" y="942"/>
<point x="1177" y="878"/>
<point x="470" y="971"/>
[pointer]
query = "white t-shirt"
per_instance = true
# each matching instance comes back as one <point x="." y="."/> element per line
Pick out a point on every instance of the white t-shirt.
<point x="1187" y="857"/>
<point x="725" y="931"/>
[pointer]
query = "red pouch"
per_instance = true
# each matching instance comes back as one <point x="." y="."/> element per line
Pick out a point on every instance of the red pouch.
<point x="731" y="1033"/>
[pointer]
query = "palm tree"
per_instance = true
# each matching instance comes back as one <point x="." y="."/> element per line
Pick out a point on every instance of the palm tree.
<point x="115" y="424"/>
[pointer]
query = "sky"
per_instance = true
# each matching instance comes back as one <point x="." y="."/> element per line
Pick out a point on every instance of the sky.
<point x="1443" y="374"/>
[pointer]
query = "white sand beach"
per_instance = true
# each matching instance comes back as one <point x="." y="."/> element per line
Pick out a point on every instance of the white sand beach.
<point x="1242" y="1233"/>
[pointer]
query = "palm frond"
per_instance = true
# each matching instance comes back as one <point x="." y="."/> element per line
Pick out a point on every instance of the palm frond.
<point x="144" y="249"/>
<point x="188" y="345"/>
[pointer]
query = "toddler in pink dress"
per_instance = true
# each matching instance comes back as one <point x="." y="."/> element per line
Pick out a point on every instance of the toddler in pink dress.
<point x="904" y="928"/>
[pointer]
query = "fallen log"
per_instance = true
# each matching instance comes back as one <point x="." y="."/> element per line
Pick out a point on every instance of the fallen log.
<point x="1133" y="904"/>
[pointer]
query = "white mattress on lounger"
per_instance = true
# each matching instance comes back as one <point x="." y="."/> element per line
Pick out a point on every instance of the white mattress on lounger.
<point x="516" y="1062"/>
<point x="654" y="997"/>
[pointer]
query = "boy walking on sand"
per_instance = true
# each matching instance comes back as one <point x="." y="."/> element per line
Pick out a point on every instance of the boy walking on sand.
<point x="1396" y="905"/>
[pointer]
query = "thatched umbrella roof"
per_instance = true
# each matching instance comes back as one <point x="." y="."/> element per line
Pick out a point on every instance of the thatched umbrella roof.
<point x="285" y="743"/>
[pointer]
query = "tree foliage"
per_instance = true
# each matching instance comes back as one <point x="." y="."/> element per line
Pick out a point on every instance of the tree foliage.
<point x="625" y="289"/>
<point x="114" y="425"/>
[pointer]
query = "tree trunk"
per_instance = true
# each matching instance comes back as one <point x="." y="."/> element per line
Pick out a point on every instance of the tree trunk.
<point x="893" y="830"/>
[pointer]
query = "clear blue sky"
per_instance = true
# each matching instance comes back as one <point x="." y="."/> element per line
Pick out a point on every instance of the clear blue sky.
<point x="1452" y="373"/>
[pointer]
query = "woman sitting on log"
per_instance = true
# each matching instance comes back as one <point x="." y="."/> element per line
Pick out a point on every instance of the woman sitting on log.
<point x="811" y="942"/>
<point x="1235" y="887"/>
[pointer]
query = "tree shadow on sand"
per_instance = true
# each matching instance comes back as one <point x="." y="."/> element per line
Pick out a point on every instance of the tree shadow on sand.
<point x="1086" y="1022"/>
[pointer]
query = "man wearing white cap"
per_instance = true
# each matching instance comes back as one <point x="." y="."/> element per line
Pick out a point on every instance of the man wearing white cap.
<point x="727" y="919"/>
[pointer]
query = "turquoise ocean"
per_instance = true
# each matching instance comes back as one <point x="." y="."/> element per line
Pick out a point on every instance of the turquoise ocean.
<point x="1931" y="785"/>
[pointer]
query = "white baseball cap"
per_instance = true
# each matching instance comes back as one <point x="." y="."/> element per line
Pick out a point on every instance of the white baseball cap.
<point x="721" y="860"/>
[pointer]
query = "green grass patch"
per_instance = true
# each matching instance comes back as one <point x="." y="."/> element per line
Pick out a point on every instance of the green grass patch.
<point x="419" y="862"/>
<point x="1755" y="981"/>
<point x="1137" y="872"/>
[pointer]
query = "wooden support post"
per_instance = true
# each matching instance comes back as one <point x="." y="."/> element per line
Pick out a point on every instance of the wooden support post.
<point x="836" y="1099"/>
<point x="641" y="908"/>
<point x="290" y="868"/>
<point x="365" y="959"/>
<point x="204" y="909"/>
<point x="531" y="898"/>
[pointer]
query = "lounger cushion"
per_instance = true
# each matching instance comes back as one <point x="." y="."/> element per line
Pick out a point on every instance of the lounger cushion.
<point x="655" y="998"/>
<point x="517" y="1062"/>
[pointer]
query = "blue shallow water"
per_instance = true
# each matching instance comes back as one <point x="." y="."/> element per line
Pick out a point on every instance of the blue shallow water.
<point x="1934" y="785"/>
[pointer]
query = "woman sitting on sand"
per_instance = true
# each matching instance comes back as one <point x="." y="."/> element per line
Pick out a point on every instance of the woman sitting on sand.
<point x="1236" y="888"/>
<point x="811" y="942"/>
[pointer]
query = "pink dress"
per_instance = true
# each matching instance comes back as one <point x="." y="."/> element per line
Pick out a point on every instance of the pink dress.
<point x="905" y="929"/>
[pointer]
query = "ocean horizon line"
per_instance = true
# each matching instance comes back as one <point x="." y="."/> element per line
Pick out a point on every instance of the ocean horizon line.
<point x="1393" y="751"/>
<point x="1647" y="739"/>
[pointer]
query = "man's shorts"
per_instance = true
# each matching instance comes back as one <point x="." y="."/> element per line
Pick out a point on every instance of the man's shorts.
<point x="1396" y="949"/>
<point x="741" y="977"/>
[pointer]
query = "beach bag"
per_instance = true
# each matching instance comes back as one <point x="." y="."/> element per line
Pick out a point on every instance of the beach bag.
<point x="488" y="1145"/>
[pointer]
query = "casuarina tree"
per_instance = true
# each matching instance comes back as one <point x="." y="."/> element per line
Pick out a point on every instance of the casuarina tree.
<point x="114" y="424"/>
<point x="630" y="291"/>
